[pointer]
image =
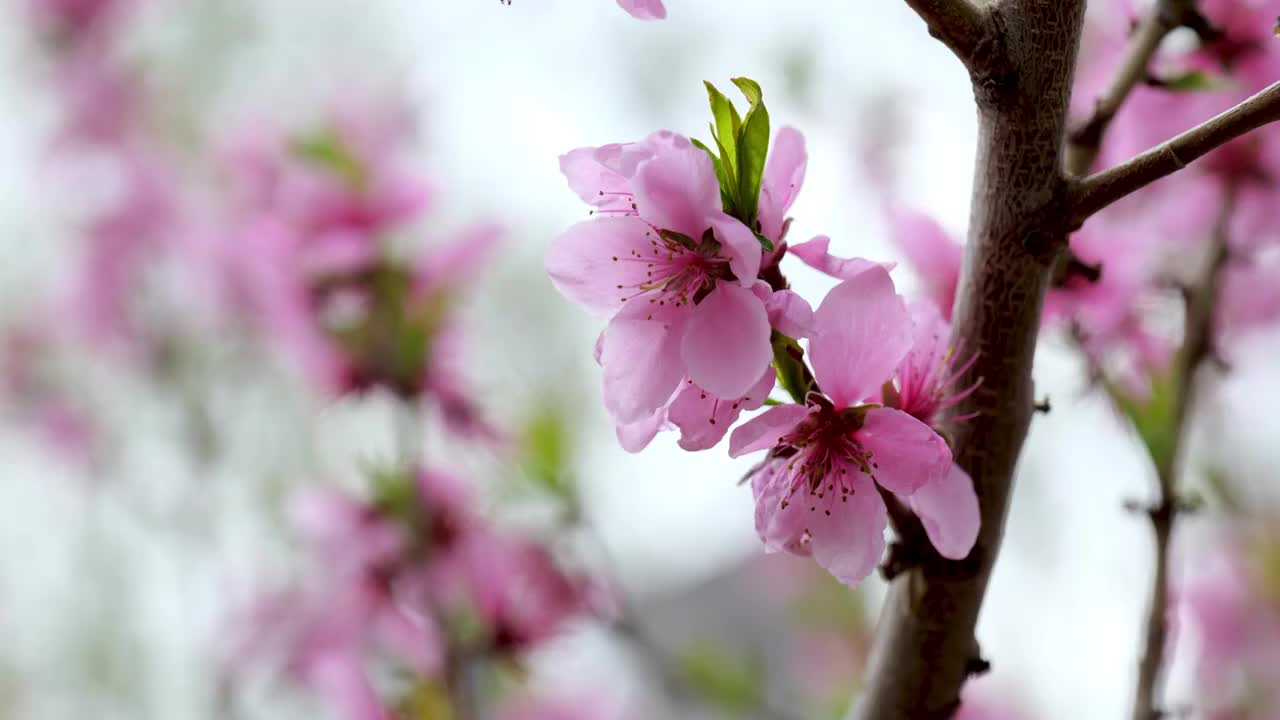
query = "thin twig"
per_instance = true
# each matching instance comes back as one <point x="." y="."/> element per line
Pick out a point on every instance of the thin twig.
<point x="1196" y="350"/>
<point x="959" y="24"/>
<point x="1101" y="189"/>
<point x="1085" y="139"/>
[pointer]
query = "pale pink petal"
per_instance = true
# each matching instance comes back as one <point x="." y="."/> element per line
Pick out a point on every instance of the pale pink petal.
<point x="726" y="343"/>
<point x="704" y="419"/>
<point x="460" y="260"/>
<point x="789" y="313"/>
<point x="783" y="176"/>
<point x="677" y="188"/>
<point x="766" y="429"/>
<point x="814" y="254"/>
<point x="849" y="539"/>
<point x="948" y="508"/>
<point x="644" y="9"/>
<point x="860" y="333"/>
<point x="636" y="436"/>
<point x="740" y="245"/>
<point x="780" y="525"/>
<point x="931" y="252"/>
<point x="595" y="182"/>
<point x="342" y="680"/>
<point x="415" y="640"/>
<point x="905" y="453"/>
<point x="642" y="361"/>
<point x="590" y="260"/>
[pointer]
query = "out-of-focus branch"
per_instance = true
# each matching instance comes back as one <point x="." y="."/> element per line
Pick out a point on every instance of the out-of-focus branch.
<point x="1101" y="189"/>
<point x="1197" y="349"/>
<point x="1085" y="139"/>
<point x="959" y="24"/>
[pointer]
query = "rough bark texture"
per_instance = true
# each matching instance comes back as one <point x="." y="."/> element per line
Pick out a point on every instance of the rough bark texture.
<point x="925" y="647"/>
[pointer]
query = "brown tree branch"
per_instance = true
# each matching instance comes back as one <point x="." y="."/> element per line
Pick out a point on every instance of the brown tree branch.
<point x="1101" y="189"/>
<point x="1197" y="349"/>
<point x="1085" y="139"/>
<point x="959" y="24"/>
<point x="925" y="647"/>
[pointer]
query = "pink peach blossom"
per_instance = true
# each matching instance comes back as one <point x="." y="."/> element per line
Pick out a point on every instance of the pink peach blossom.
<point x="669" y="268"/>
<point x="816" y="493"/>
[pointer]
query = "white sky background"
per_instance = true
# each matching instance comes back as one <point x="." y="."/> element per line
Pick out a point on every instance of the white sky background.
<point x="505" y="90"/>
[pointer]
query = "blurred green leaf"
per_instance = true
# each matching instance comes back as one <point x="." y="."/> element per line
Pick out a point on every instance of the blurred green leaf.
<point x="326" y="150"/>
<point x="547" y="453"/>
<point x="731" y="682"/>
<point x="426" y="701"/>
<point x="1152" y="417"/>
<point x="1193" y="81"/>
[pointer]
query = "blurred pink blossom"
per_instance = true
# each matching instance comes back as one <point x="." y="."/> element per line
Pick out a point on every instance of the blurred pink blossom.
<point x="644" y="9"/>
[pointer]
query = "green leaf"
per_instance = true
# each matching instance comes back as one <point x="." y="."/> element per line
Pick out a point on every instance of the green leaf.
<point x="1152" y="417"/>
<point x="725" y="128"/>
<point x="726" y="201"/>
<point x="753" y="149"/>
<point x="326" y="150"/>
<point x="1193" y="81"/>
<point x="731" y="682"/>
<point x="750" y="88"/>
<point x="728" y="185"/>
<point x="548" y="451"/>
<point x="788" y="361"/>
<point x="765" y="242"/>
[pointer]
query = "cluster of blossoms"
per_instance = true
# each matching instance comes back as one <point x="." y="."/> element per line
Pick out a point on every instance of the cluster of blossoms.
<point x="407" y="591"/>
<point x="103" y="103"/>
<point x="683" y="258"/>
<point x="100" y="103"/>
<point x="1231" y="606"/>
<point x="410" y="590"/>
<point x="1114" y="290"/>
<point x="313" y="255"/>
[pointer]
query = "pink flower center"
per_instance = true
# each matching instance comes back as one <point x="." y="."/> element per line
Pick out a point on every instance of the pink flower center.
<point x="819" y="454"/>
<point x="927" y="384"/>
<point x="679" y="270"/>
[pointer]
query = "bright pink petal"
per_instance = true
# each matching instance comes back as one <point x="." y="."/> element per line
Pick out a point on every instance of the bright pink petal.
<point x="849" y="540"/>
<point x="783" y="176"/>
<point x="644" y="9"/>
<point x="590" y="260"/>
<point x="641" y="359"/>
<point x="677" y="188"/>
<point x="948" y="507"/>
<point x="860" y="333"/>
<point x="704" y="419"/>
<point x="906" y="454"/>
<point x="739" y="245"/>
<point x="814" y="254"/>
<point x="766" y="429"/>
<point x="726" y="343"/>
